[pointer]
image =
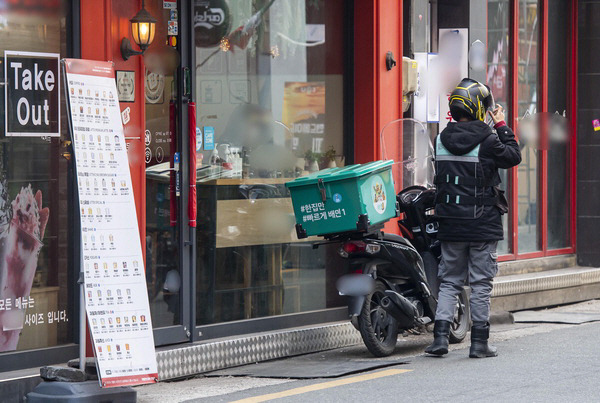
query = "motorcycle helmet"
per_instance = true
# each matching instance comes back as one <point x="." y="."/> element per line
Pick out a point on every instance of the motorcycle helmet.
<point x="470" y="99"/>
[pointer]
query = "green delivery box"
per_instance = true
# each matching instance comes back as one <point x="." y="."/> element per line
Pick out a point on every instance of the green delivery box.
<point x="344" y="199"/>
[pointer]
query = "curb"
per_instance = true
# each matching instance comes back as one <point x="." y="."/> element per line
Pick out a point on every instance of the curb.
<point x="502" y="318"/>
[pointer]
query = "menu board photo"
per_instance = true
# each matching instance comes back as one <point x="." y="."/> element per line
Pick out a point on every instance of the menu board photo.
<point x="116" y="298"/>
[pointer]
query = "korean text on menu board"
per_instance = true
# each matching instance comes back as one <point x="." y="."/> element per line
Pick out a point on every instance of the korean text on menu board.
<point x="116" y="297"/>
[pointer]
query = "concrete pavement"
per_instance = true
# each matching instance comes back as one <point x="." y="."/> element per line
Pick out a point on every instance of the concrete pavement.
<point x="537" y="362"/>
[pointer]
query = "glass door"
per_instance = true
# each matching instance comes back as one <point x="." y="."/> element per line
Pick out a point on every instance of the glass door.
<point x="269" y="81"/>
<point x="165" y="215"/>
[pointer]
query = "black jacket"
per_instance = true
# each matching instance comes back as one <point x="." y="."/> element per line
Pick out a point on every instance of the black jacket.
<point x="497" y="150"/>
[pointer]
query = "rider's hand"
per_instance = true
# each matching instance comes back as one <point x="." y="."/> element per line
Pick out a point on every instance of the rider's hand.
<point x="497" y="114"/>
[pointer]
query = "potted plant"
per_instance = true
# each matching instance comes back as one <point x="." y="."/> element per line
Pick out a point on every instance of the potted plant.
<point x="329" y="157"/>
<point x="311" y="159"/>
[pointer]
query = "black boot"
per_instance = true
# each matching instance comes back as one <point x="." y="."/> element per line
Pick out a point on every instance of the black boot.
<point x="480" y="333"/>
<point x="441" y="333"/>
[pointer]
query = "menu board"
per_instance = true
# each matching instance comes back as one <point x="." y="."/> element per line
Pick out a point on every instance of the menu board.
<point x="116" y="298"/>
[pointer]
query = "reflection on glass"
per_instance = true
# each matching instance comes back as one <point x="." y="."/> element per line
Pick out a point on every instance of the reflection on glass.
<point x="270" y="84"/>
<point x="162" y="243"/>
<point x="497" y="77"/>
<point x="35" y="264"/>
<point x="417" y="166"/>
<point x="528" y="205"/>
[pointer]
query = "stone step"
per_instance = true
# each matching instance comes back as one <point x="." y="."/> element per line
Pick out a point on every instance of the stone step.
<point x="536" y="265"/>
<point x="545" y="288"/>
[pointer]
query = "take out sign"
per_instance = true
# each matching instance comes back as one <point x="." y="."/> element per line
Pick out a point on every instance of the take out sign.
<point x="31" y="94"/>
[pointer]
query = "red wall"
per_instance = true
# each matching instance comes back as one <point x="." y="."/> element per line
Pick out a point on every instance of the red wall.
<point x="104" y="23"/>
<point x="377" y="99"/>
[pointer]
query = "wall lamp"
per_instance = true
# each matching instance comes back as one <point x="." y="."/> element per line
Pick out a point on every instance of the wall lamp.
<point x="143" y="28"/>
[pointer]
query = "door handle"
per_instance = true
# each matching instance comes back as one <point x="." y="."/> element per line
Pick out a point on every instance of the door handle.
<point x="187" y="82"/>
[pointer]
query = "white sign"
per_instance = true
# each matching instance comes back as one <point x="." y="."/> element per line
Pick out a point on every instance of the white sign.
<point x="433" y="90"/>
<point x="454" y="66"/>
<point x="116" y="298"/>
<point x="420" y="95"/>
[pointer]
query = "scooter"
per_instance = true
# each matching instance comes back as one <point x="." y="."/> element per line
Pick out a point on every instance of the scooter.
<point x="392" y="284"/>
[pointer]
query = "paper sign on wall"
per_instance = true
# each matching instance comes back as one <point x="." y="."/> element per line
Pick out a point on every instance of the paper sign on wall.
<point x="454" y="66"/>
<point x="433" y="88"/>
<point x="420" y="95"/>
<point x="116" y="298"/>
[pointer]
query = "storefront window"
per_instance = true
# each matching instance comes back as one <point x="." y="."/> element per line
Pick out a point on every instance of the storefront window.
<point x="269" y="87"/>
<point x="559" y="206"/>
<point x="36" y="281"/>
<point x="498" y="78"/>
<point x="528" y="94"/>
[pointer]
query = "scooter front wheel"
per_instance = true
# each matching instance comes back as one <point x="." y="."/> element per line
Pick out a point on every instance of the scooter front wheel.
<point x="378" y="329"/>
<point x="462" y="317"/>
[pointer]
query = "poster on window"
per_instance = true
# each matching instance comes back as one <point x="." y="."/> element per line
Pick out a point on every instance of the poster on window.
<point x="453" y="66"/>
<point x="304" y="114"/>
<point x="116" y="298"/>
<point x="23" y="221"/>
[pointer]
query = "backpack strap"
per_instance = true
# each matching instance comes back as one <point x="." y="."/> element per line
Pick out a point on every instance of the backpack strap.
<point x="461" y="180"/>
<point x="466" y="200"/>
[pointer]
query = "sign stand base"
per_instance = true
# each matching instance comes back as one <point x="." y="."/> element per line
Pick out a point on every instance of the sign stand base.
<point x="89" y="391"/>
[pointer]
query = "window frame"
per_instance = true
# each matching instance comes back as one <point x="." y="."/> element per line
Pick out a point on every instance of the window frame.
<point x="16" y="360"/>
<point x="207" y="332"/>
<point x="543" y="152"/>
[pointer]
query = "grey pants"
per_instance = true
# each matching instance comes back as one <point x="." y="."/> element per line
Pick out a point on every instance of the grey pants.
<point x="476" y="261"/>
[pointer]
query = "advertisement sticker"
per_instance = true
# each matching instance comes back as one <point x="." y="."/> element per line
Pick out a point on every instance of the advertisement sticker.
<point x="209" y="138"/>
<point x="378" y="194"/>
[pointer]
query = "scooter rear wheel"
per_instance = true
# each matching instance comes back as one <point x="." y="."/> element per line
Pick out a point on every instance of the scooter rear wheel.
<point x="378" y="329"/>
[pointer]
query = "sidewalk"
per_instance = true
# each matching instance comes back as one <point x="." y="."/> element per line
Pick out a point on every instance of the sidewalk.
<point x="407" y="349"/>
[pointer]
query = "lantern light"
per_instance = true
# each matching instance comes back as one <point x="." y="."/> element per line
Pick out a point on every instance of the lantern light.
<point x="143" y="28"/>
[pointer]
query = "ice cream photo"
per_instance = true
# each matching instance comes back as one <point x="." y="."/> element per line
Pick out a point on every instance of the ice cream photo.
<point x="20" y="244"/>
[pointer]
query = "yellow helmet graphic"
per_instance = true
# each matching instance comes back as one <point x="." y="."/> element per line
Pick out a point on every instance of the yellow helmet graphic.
<point x="470" y="99"/>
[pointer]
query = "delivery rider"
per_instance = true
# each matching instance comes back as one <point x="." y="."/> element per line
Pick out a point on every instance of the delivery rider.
<point x="469" y="205"/>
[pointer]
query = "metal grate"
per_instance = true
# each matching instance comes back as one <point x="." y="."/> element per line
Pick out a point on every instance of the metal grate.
<point x="195" y="359"/>
<point x="544" y="281"/>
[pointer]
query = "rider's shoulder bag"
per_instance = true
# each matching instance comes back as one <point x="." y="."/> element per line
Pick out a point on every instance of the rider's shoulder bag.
<point x="502" y="203"/>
